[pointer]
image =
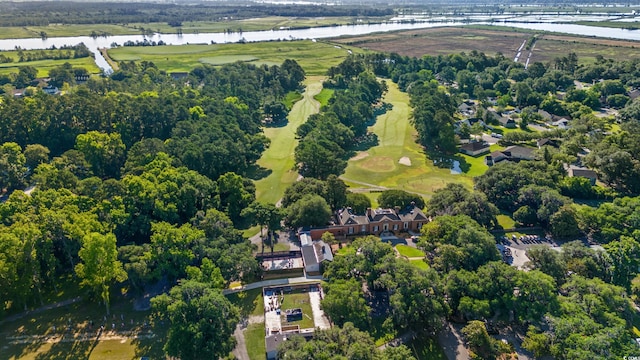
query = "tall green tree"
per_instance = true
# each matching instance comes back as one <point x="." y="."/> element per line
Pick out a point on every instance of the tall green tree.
<point x="344" y="302"/>
<point x="100" y="266"/>
<point x="105" y="152"/>
<point x="12" y="166"/>
<point x="201" y="321"/>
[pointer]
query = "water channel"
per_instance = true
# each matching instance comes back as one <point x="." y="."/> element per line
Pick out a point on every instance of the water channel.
<point x="296" y="34"/>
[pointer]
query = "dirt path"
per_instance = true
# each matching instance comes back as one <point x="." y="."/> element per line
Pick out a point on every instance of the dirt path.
<point x="279" y="157"/>
<point x="240" y="351"/>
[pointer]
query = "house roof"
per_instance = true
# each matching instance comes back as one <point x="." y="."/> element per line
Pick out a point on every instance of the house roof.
<point x="505" y="120"/>
<point x="546" y="141"/>
<point x="305" y="239"/>
<point x="519" y="151"/>
<point x="474" y="146"/>
<point x="378" y="215"/>
<point x="515" y="152"/>
<point x="346" y="217"/>
<point x="413" y="214"/>
<point x="309" y="255"/>
<point x="322" y="251"/>
<point x="575" y="171"/>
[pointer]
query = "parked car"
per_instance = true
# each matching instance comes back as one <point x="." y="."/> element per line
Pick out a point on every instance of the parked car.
<point x="496" y="135"/>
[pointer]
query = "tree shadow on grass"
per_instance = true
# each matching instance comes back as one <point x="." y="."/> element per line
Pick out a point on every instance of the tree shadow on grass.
<point x="68" y="349"/>
<point x="257" y="172"/>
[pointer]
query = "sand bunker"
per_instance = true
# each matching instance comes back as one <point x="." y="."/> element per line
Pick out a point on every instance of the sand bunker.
<point x="405" y="161"/>
<point x="359" y="156"/>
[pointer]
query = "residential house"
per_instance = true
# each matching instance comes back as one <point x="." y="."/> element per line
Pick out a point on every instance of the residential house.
<point x="468" y="122"/>
<point x="475" y="148"/>
<point x="505" y="121"/>
<point x="579" y="171"/>
<point x="512" y="153"/>
<point x="314" y="253"/>
<point x="374" y="222"/>
<point x="467" y="108"/>
<point x="561" y="124"/>
<point x="51" y="90"/>
<point x="547" y="142"/>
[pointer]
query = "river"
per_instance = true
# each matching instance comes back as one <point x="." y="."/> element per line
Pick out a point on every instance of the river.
<point x="295" y="34"/>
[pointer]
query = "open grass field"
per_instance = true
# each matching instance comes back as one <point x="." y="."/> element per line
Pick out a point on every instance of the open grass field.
<point x="491" y="40"/>
<point x="297" y="300"/>
<point x="314" y="57"/>
<point x="188" y="27"/>
<point x="380" y="167"/>
<point x="408" y="251"/>
<point x="278" y="158"/>
<point x="44" y="66"/>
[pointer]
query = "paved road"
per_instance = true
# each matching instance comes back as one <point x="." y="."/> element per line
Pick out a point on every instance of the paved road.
<point x="452" y="343"/>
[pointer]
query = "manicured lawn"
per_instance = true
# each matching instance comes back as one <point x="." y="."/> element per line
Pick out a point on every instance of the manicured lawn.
<point x="254" y="338"/>
<point x="250" y="302"/>
<point x="427" y="349"/>
<point x="408" y="251"/>
<point x="279" y="157"/>
<point x="297" y="300"/>
<point x="324" y="96"/>
<point x="314" y="57"/>
<point x="381" y="167"/>
<point x="420" y="264"/>
<point x="506" y="221"/>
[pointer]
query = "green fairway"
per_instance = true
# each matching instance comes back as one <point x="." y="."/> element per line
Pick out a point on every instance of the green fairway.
<point x="314" y="57"/>
<point x="398" y="161"/>
<point x="278" y="158"/>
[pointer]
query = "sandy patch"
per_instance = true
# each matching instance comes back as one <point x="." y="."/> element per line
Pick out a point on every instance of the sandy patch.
<point x="405" y="161"/>
<point x="359" y="156"/>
